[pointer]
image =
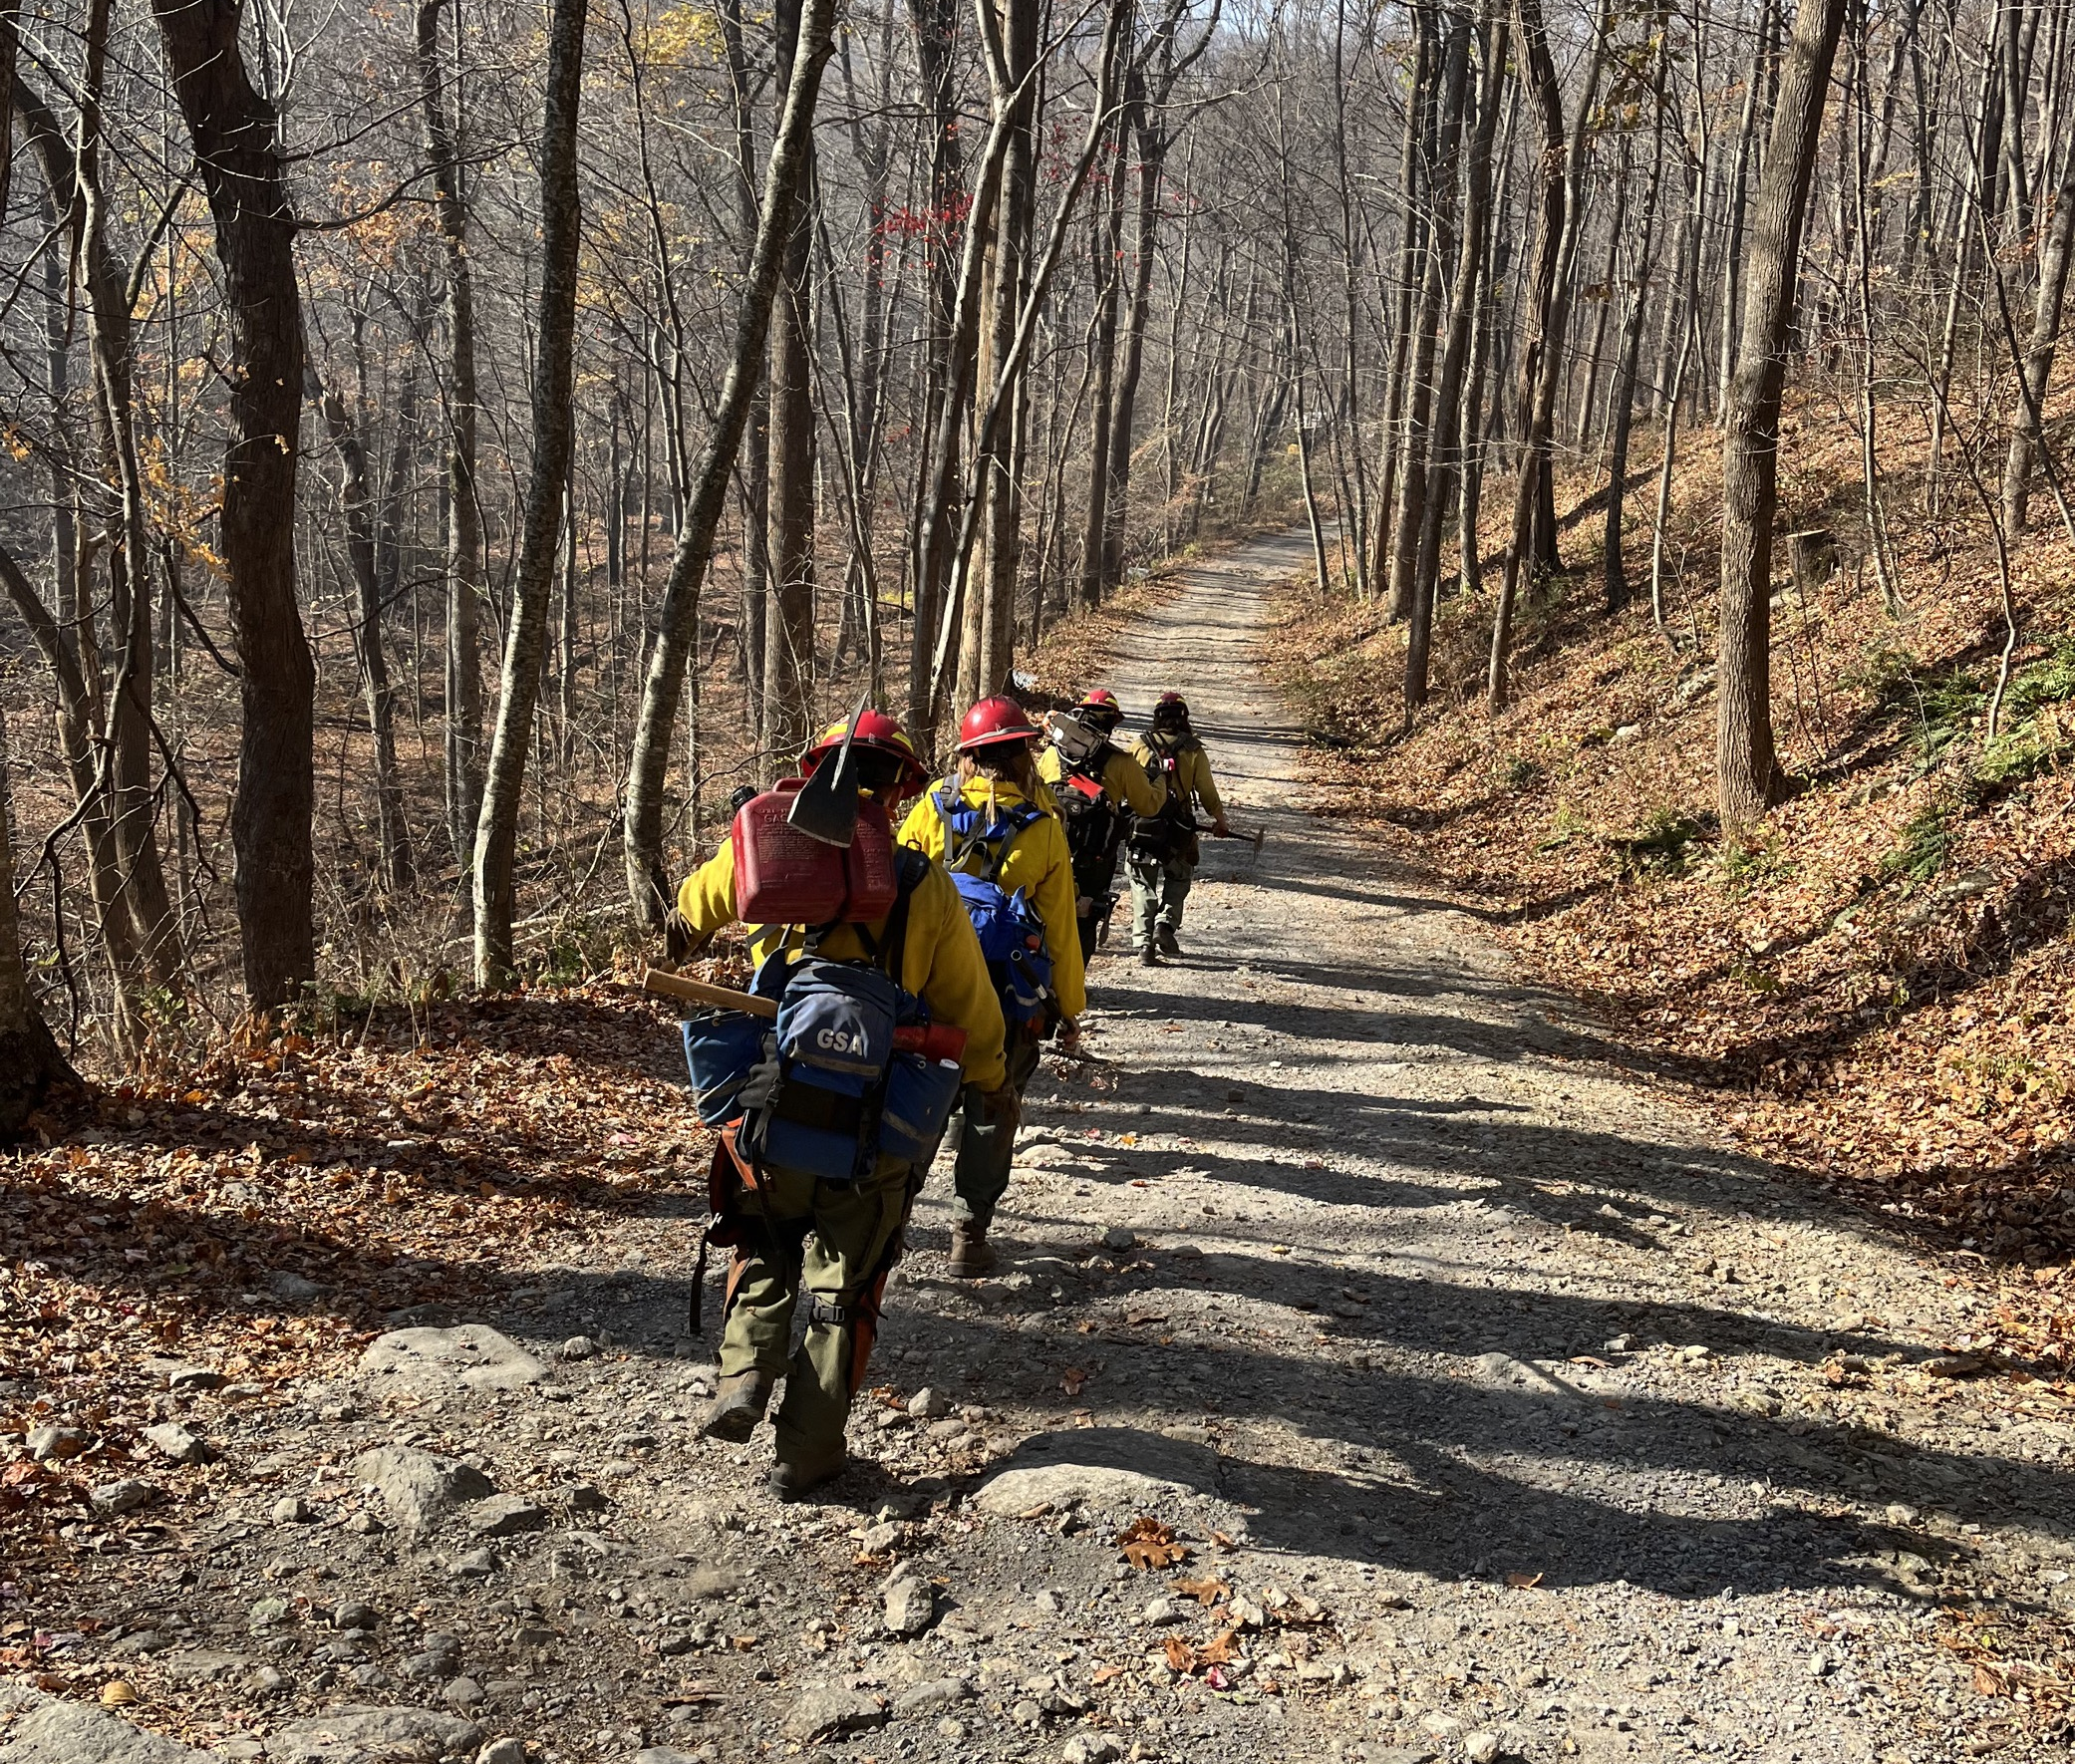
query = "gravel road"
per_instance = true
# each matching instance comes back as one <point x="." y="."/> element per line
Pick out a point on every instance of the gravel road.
<point x="1466" y="1398"/>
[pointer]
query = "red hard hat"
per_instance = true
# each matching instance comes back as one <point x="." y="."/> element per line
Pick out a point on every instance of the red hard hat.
<point x="993" y="723"/>
<point x="877" y="733"/>
<point x="1100" y="698"/>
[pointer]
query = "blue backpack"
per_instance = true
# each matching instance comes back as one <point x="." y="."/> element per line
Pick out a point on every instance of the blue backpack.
<point x="824" y="1089"/>
<point x="1012" y="935"/>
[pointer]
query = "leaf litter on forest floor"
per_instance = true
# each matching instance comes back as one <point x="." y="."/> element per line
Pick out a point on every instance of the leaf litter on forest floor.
<point x="1148" y="1542"/>
<point x="253" y="1221"/>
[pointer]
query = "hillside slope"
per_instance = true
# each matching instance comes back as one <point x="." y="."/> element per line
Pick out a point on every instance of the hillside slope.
<point x="1877" y="983"/>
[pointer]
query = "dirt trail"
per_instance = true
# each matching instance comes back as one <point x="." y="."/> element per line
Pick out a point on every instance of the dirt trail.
<point x="1499" y="1411"/>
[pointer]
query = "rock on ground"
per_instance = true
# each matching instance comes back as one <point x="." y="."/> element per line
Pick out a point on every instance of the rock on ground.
<point x="40" y="1730"/>
<point x="373" y="1736"/>
<point x="181" y="1444"/>
<point x="471" y="1357"/>
<point x="911" y="1607"/>
<point x="420" y="1488"/>
<point x="1117" y="1470"/>
<point x="829" y="1710"/>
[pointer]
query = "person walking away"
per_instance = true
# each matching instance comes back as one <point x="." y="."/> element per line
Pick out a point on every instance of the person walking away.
<point x="1007" y="857"/>
<point x="1163" y="848"/>
<point x="1097" y="788"/>
<point x="799" y="1233"/>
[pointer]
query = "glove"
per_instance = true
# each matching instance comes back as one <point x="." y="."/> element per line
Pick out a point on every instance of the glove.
<point x="1069" y="1035"/>
<point x="679" y="942"/>
<point x="1219" y="830"/>
<point x="1005" y="1109"/>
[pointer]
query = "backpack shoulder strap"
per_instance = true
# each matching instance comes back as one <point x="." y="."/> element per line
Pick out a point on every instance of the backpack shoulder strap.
<point x="960" y="821"/>
<point x="1016" y="818"/>
<point x="909" y="872"/>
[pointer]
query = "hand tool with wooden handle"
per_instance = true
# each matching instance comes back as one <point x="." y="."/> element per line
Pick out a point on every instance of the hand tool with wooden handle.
<point x="697" y="991"/>
<point x="933" y="1040"/>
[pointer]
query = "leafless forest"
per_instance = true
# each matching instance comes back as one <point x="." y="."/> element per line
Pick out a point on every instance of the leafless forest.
<point x="449" y="447"/>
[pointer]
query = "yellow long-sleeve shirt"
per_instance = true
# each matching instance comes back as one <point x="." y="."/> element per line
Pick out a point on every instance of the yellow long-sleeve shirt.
<point x="1192" y="774"/>
<point x="1037" y="862"/>
<point x="1125" y="779"/>
<point x="941" y="962"/>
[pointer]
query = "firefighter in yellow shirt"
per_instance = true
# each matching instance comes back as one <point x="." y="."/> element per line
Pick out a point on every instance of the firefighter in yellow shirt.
<point x="1097" y="788"/>
<point x="1007" y="852"/>
<point x="1162" y="853"/>
<point x="829" y="1242"/>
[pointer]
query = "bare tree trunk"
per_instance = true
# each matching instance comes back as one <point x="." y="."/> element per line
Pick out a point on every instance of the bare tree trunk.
<point x="1144" y="121"/>
<point x="80" y="743"/>
<point x="1109" y="239"/>
<point x="237" y="145"/>
<point x="2026" y="439"/>
<point x="789" y="646"/>
<point x="30" y="1063"/>
<point x="1752" y="121"/>
<point x="952" y="324"/>
<point x="997" y="408"/>
<point x="1442" y="148"/>
<point x="111" y="721"/>
<point x="784" y="190"/>
<point x="988" y="640"/>
<point x="1613" y="575"/>
<point x="1411" y="244"/>
<point x="1469" y="564"/>
<point x="1446" y="456"/>
<point x="554" y="374"/>
<point x="1537" y="368"/>
<point x="357" y="500"/>
<point x="1749" y="778"/>
<point x="464" y="752"/>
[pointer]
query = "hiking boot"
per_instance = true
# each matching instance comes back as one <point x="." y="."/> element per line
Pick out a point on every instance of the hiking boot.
<point x="737" y="1407"/>
<point x="970" y="1255"/>
<point x="1148" y="956"/>
<point x="794" y="1479"/>
<point x="1169" y="944"/>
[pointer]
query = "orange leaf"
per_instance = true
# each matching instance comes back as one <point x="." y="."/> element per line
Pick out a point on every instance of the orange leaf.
<point x="1224" y="1650"/>
<point x="1180" y="1655"/>
<point x="1149" y="1542"/>
<point x="1525" y="1580"/>
<point x="1073" y="1381"/>
<point x="1205" y="1592"/>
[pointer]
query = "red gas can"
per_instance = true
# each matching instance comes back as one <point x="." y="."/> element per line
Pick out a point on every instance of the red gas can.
<point x="781" y="877"/>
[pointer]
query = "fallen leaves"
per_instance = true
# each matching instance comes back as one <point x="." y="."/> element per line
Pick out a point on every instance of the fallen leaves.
<point x="1521" y="1582"/>
<point x="1074" y="1381"/>
<point x="263" y="1213"/>
<point x="2028" y="1657"/>
<point x="1148" y="1542"/>
<point x="1187" y="1659"/>
<point x="1296" y="1610"/>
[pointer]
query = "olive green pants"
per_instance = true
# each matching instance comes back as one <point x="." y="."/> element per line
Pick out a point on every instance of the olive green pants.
<point x="1159" y="887"/>
<point x="986" y="1150"/>
<point x="831" y="1244"/>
